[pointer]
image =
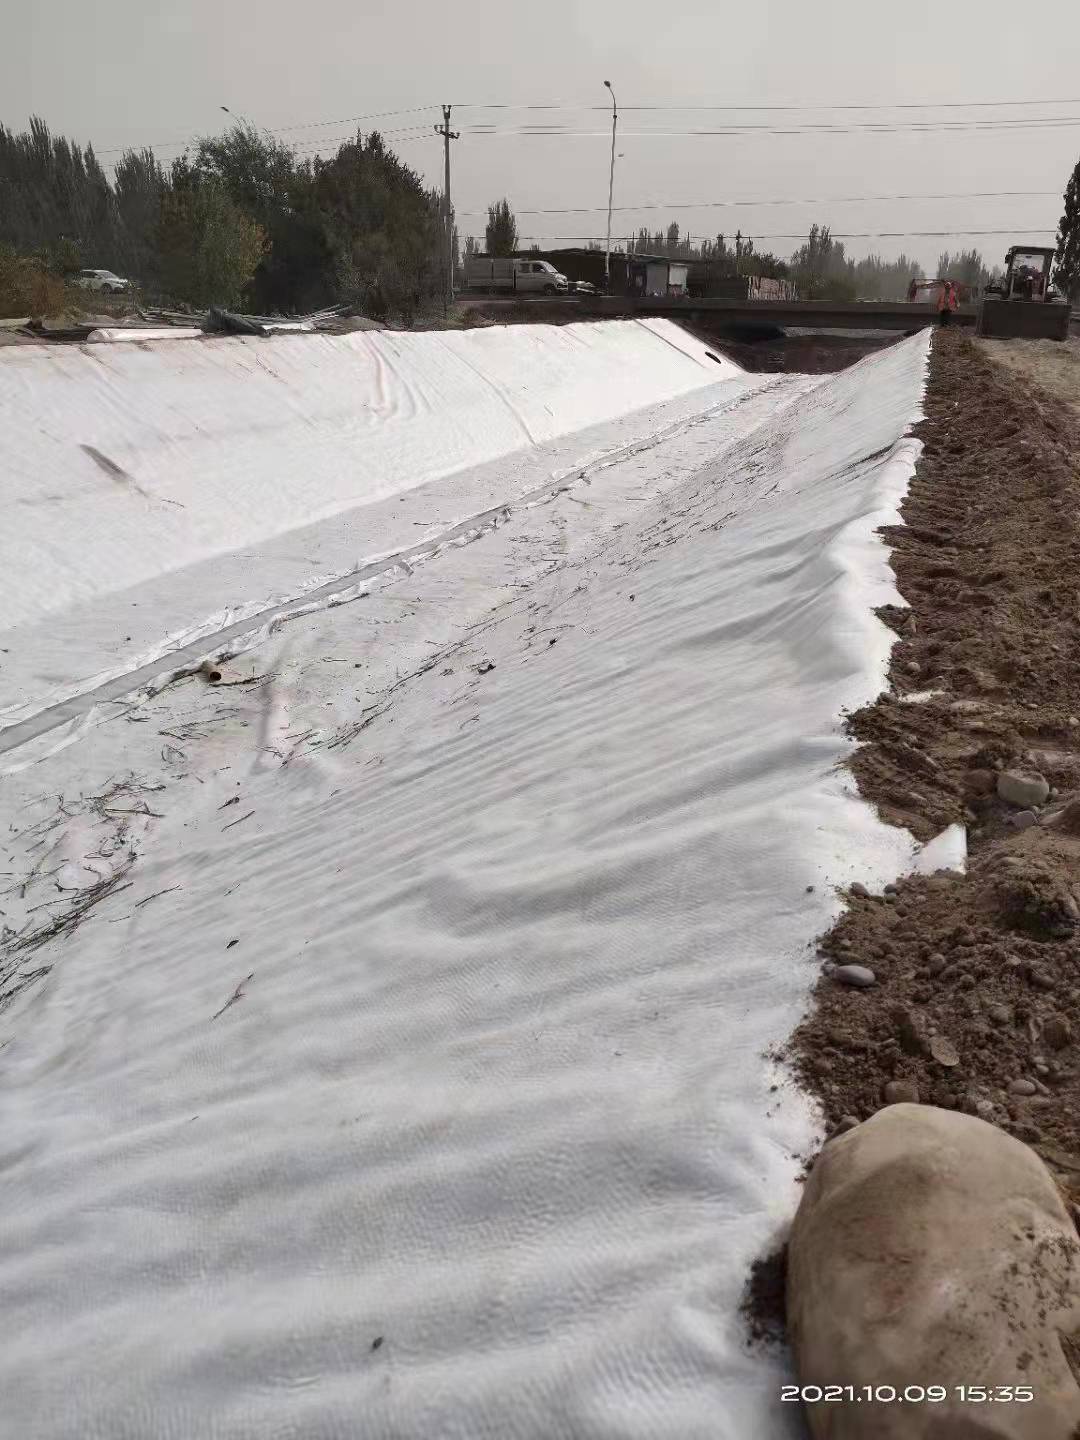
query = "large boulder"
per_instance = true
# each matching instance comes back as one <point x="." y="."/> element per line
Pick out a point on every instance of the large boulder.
<point x="931" y="1248"/>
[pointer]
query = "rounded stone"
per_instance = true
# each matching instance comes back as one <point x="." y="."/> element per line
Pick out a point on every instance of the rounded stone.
<point x="857" y="975"/>
<point x="1057" y="1032"/>
<point x="1023" y="788"/>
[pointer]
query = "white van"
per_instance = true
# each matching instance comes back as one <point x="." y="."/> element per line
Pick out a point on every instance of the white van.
<point x="483" y="272"/>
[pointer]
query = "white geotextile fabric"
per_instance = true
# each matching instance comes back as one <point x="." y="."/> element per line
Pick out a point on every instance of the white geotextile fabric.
<point x="471" y="1132"/>
<point x="119" y="463"/>
<point x="48" y="659"/>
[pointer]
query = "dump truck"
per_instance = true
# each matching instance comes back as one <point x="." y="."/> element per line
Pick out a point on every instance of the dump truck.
<point x="1025" y="305"/>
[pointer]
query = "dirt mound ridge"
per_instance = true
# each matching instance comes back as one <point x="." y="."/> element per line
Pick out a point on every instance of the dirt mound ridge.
<point x="975" y="998"/>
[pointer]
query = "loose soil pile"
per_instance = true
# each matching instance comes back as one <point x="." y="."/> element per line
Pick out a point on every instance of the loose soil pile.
<point x="975" y="1003"/>
<point x="1053" y="364"/>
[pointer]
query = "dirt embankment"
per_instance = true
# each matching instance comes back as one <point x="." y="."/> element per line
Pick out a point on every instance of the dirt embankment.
<point x="1052" y="364"/>
<point x="974" y="1002"/>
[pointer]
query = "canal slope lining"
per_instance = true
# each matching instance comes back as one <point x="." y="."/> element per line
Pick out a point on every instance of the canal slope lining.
<point x="431" y="1094"/>
<point x="121" y="462"/>
<point x="158" y="492"/>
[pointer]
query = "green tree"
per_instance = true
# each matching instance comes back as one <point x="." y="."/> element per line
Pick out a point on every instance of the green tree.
<point x="966" y="266"/>
<point x="1067" y="266"/>
<point x="138" y="185"/>
<point x="501" y="233"/>
<point x="53" y="190"/>
<point x="208" y="247"/>
<point x="267" y="181"/>
<point x="384" y="230"/>
<point x="812" y="262"/>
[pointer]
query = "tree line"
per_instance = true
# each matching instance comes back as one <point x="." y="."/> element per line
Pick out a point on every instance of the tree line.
<point x="242" y="219"/>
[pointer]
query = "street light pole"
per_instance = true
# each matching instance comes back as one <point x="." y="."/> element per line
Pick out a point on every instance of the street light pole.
<point x="238" y="116"/>
<point x="611" y="187"/>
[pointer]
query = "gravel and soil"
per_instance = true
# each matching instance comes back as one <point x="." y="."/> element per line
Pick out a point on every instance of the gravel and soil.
<point x="974" y="1002"/>
<point x="1052" y="364"/>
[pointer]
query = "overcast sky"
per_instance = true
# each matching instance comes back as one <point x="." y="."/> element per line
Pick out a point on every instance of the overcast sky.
<point x="136" y="72"/>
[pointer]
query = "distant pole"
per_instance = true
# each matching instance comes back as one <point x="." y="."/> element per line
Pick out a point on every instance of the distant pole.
<point x="448" y="214"/>
<point x="610" y="187"/>
<point x="235" y="115"/>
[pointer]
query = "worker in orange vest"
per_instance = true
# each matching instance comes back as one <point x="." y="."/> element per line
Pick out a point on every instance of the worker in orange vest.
<point x="946" y="302"/>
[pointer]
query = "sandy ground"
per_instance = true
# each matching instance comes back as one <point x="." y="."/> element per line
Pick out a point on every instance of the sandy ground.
<point x="1053" y="364"/>
<point x="976" y="977"/>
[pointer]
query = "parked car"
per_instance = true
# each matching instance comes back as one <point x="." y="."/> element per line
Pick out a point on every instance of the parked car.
<point x="102" y="280"/>
<point x="485" y="272"/>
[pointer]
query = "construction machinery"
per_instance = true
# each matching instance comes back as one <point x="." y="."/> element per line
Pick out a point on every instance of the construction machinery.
<point x="928" y="292"/>
<point x="1024" y="305"/>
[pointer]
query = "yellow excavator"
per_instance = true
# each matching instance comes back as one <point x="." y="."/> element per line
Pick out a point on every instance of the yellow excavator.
<point x="1024" y="305"/>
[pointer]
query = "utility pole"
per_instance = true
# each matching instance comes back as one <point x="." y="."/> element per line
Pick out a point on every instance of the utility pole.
<point x="610" y="188"/>
<point x="448" y="214"/>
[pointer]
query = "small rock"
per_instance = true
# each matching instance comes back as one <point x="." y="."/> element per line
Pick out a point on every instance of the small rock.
<point x="828" y="967"/>
<point x="1022" y="788"/>
<point x="857" y="975"/>
<point x="1023" y="819"/>
<point x="901" y="1092"/>
<point x="1040" y="978"/>
<point x="843" y="1125"/>
<point x="860" y="890"/>
<point x="1000" y="1014"/>
<point x="944" y="1051"/>
<point x="984" y="1109"/>
<point x="892" y="890"/>
<point x="1069" y="905"/>
<point x="936" y="964"/>
<point x="1057" y="1032"/>
<point x="1022" y="1087"/>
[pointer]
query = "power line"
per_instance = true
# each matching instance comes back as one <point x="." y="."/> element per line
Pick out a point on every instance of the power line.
<point x="757" y="204"/>
<point x="857" y="234"/>
<point x="880" y="105"/>
<point x="874" y="126"/>
<point x="1045" y="122"/>
<point x="278" y="129"/>
<point x="399" y="137"/>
